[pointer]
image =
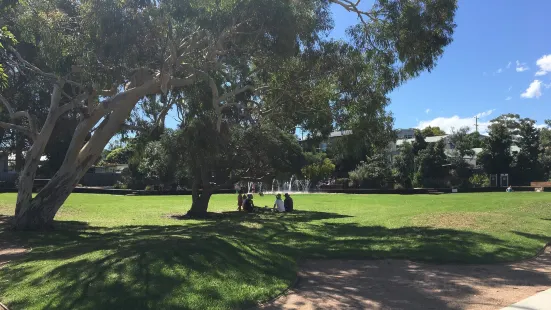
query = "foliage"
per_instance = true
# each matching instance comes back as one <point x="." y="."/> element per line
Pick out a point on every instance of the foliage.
<point x="463" y="145"/>
<point x="460" y="172"/>
<point x="404" y="165"/>
<point x="243" y="74"/>
<point x="431" y="167"/>
<point x="432" y="131"/>
<point x="120" y="155"/>
<point x="237" y="153"/>
<point x="475" y="139"/>
<point x="479" y="180"/>
<point x="318" y="171"/>
<point x="419" y="144"/>
<point x="6" y="39"/>
<point x="526" y="165"/>
<point x="496" y="156"/>
<point x="347" y="151"/>
<point x="545" y="155"/>
<point x="374" y="172"/>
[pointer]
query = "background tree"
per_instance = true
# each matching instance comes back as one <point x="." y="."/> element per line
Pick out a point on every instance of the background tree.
<point x="404" y="165"/>
<point x="476" y="140"/>
<point x="319" y="167"/>
<point x="462" y="144"/>
<point x="479" y="180"/>
<point x="496" y="157"/>
<point x="431" y="167"/>
<point x="526" y="166"/>
<point x="419" y="144"/>
<point x="545" y="154"/>
<point x="347" y="151"/>
<point x="432" y="131"/>
<point x="374" y="172"/>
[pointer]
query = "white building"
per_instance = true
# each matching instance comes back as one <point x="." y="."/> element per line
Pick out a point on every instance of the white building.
<point x="408" y="135"/>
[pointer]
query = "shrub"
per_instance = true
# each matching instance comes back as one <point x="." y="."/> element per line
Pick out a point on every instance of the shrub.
<point x="120" y="185"/>
<point x="479" y="180"/>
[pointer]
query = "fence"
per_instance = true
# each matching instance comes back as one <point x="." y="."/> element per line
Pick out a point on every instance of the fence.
<point x="100" y="179"/>
<point x="7" y="180"/>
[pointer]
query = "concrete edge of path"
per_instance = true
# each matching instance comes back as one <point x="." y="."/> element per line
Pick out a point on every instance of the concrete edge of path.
<point x="540" y="301"/>
<point x="285" y="292"/>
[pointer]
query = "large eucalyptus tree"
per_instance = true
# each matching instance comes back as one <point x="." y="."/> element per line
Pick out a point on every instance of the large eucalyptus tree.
<point x="234" y="65"/>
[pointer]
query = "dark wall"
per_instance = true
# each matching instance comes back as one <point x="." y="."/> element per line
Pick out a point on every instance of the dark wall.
<point x="100" y="179"/>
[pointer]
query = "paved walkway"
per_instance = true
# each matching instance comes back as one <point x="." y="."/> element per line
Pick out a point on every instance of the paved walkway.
<point x="400" y="284"/>
<point x="540" y="301"/>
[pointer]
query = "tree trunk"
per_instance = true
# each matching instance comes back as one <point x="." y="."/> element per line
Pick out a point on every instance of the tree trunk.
<point x="19" y="159"/>
<point x="200" y="201"/>
<point x="38" y="213"/>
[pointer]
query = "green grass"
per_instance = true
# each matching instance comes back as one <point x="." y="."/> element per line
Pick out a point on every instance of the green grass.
<point x="113" y="252"/>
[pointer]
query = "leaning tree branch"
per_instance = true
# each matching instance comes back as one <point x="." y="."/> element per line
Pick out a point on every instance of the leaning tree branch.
<point x="132" y="127"/>
<point x="35" y="69"/>
<point x="32" y="130"/>
<point x="21" y="129"/>
<point x="351" y="6"/>
<point x="8" y="106"/>
<point x="76" y="103"/>
<point x="235" y="92"/>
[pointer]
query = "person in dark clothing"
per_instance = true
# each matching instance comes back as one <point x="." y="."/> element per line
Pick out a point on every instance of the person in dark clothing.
<point x="248" y="204"/>
<point x="288" y="203"/>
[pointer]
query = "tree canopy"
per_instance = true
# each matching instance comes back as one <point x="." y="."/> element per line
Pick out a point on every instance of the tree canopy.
<point x="241" y="73"/>
<point x="432" y="131"/>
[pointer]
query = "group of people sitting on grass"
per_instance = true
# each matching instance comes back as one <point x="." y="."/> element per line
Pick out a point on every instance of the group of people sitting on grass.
<point x="245" y="202"/>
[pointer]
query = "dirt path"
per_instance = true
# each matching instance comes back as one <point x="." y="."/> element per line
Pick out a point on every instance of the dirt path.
<point x="8" y="250"/>
<point x="399" y="284"/>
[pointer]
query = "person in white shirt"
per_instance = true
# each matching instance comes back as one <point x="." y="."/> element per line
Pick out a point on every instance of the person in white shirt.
<point x="279" y="206"/>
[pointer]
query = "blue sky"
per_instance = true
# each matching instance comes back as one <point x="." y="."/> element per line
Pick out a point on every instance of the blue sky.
<point x="478" y="73"/>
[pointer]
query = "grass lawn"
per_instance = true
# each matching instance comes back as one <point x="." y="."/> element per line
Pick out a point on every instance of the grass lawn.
<point x="113" y="252"/>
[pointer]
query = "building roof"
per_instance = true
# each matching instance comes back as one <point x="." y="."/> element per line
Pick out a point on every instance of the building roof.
<point x="342" y="133"/>
<point x="427" y="139"/>
<point x="11" y="157"/>
<point x="334" y="134"/>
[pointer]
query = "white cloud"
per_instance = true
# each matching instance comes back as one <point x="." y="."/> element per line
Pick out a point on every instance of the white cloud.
<point x="485" y="113"/>
<point x="509" y="65"/>
<point x="508" y="98"/>
<point x="521" y="67"/>
<point x="427" y="111"/>
<point x="510" y="87"/>
<point x="544" y="64"/>
<point x="533" y="91"/>
<point x="498" y="71"/>
<point x="484" y="73"/>
<point x="455" y="122"/>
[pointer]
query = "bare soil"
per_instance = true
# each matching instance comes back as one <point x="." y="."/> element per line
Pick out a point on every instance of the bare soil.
<point x="8" y="249"/>
<point x="401" y="284"/>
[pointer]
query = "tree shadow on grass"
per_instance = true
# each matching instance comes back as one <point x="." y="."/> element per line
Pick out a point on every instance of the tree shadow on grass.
<point x="224" y="263"/>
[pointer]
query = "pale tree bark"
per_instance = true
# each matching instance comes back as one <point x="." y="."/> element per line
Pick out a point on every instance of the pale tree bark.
<point x="39" y="212"/>
<point x="101" y="119"/>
